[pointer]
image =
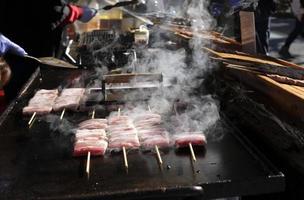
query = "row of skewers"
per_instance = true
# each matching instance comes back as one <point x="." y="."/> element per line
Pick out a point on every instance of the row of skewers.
<point x="119" y="133"/>
<point x="95" y="136"/>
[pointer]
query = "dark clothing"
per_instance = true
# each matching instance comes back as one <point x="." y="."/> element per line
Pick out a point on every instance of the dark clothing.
<point x="33" y="24"/>
<point x="302" y="3"/>
<point x="262" y="14"/>
<point x="262" y="29"/>
<point x="294" y="33"/>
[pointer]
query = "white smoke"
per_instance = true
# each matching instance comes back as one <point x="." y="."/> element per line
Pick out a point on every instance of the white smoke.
<point x="201" y="112"/>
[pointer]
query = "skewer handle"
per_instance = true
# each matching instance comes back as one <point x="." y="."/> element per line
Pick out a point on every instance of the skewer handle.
<point x="118" y="112"/>
<point x="32" y="118"/>
<point x="88" y="163"/>
<point x="93" y="114"/>
<point x="158" y="155"/>
<point x="125" y="157"/>
<point x="62" y="114"/>
<point x="192" y="152"/>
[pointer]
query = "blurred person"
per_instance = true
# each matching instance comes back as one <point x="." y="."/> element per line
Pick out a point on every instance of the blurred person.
<point x="6" y="46"/>
<point x="227" y="12"/>
<point x="297" y="7"/>
<point x="262" y="24"/>
<point x="37" y="27"/>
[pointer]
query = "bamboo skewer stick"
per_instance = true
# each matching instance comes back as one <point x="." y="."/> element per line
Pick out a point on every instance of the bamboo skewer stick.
<point x="190" y="145"/>
<point x="192" y="152"/>
<point x="62" y="114"/>
<point x="89" y="153"/>
<point x="88" y="164"/>
<point x="93" y="114"/>
<point x="124" y="148"/>
<point x="32" y="118"/>
<point x="118" y="112"/>
<point x="125" y="157"/>
<point x="160" y="161"/>
<point x="158" y="155"/>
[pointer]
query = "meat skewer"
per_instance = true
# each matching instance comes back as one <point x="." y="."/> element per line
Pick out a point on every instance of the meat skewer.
<point x="189" y="139"/>
<point x="91" y="139"/>
<point x="151" y="134"/>
<point x="68" y="99"/>
<point x="40" y="103"/>
<point x="89" y="153"/>
<point x="159" y="158"/>
<point x="124" y="149"/>
<point x="123" y="135"/>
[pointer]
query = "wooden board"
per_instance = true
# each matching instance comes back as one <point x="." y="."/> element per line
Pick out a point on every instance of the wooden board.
<point x="259" y="59"/>
<point x="127" y="78"/>
<point x="216" y="38"/>
<point x="247" y="22"/>
<point x="287" y="98"/>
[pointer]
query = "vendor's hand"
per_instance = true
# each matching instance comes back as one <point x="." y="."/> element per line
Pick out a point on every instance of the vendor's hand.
<point x="87" y="14"/>
<point x="7" y="46"/>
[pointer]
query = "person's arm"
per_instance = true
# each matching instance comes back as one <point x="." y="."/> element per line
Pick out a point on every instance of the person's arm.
<point x="7" y="46"/>
<point x="63" y="13"/>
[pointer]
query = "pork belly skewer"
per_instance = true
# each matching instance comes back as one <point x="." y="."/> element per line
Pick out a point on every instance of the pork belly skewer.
<point x="149" y="132"/>
<point x="91" y="139"/>
<point x="69" y="99"/>
<point x="124" y="149"/>
<point x="89" y="153"/>
<point x="189" y="139"/>
<point x="41" y="103"/>
<point x="122" y="134"/>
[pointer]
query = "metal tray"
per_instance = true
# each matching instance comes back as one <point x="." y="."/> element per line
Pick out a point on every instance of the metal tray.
<point x="36" y="163"/>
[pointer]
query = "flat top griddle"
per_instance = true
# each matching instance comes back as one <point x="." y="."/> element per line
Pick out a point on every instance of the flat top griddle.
<point x="36" y="163"/>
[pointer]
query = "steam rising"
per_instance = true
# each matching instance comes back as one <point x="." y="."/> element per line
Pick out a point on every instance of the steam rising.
<point x="201" y="112"/>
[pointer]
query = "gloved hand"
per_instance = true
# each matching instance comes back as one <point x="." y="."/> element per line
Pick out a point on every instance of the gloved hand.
<point x="7" y="46"/>
<point x="87" y="14"/>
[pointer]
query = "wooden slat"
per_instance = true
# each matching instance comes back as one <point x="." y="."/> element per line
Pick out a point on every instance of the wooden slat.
<point x="287" y="98"/>
<point x="127" y="78"/>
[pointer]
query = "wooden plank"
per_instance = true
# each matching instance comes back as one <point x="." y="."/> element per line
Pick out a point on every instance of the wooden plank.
<point x="247" y="23"/>
<point x="252" y="59"/>
<point x="127" y="78"/>
<point x="286" y="98"/>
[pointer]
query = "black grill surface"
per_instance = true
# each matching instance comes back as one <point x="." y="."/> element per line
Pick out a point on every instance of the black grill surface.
<point x="36" y="162"/>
